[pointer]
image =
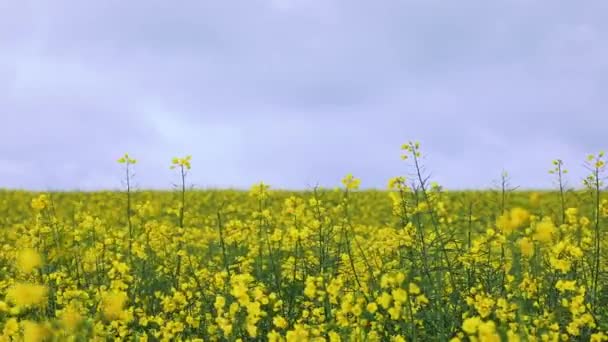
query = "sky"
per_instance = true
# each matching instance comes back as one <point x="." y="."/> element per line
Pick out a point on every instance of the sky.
<point x="298" y="93"/>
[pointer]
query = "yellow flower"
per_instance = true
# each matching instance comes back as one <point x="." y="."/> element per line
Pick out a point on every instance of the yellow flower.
<point x="252" y="330"/>
<point x="28" y="259"/>
<point x="11" y="327"/>
<point x="565" y="285"/>
<point x="519" y="217"/>
<point x="512" y="220"/>
<point x="112" y="305"/>
<point x="334" y="337"/>
<point x="384" y="300"/>
<point x="181" y="162"/>
<point x="40" y="202"/>
<point x="219" y="304"/>
<point x="544" y="230"/>
<point x="414" y="289"/>
<point x="484" y="305"/>
<point x="599" y="337"/>
<point x="299" y="333"/>
<point x="571" y="215"/>
<point x="422" y="300"/>
<point x="399" y="295"/>
<point x="350" y="182"/>
<point x="527" y="247"/>
<point x="513" y="336"/>
<point x="398" y="338"/>
<point x="385" y="281"/>
<point x="70" y="318"/>
<point x="397" y="183"/>
<point x="260" y="191"/>
<point x="395" y="312"/>
<point x="24" y="294"/>
<point x="470" y="325"/>
<point x="240" y="292"/>
<point x="33" y="332"/>
<point x="562" y="265"/>
<point x="254" y="309"/>
<point x="487" y="332"/>
<point x="126" y="159"/>
<point x="274" y="336"/>
<point x="310" y="290"/>
<point x="280" y="322"/>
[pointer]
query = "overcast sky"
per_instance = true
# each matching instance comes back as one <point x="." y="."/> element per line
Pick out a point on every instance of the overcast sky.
<point x="299" y="92"/>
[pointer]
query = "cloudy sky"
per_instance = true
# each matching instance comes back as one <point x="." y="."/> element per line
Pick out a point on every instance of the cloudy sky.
<point x="299" y="92"/>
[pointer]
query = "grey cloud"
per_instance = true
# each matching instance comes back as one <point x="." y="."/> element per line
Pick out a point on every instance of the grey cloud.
<point x="298" y="91"/>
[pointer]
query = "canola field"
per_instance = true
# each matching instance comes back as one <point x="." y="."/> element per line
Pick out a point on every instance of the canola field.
<point x="411" y="263"/>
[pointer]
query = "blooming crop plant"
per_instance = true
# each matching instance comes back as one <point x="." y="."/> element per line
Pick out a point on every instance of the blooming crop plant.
<point x="411" y="263"/>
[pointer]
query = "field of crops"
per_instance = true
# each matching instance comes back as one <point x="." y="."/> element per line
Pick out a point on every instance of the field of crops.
<point x="412" y="263"/>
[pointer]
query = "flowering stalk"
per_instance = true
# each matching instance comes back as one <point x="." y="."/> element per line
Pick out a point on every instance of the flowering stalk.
<point x="129" y="162"/>
<point x="183" y="165"/>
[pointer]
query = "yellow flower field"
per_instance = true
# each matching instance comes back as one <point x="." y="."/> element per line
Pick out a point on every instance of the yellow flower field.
<point x="412" y="263"/>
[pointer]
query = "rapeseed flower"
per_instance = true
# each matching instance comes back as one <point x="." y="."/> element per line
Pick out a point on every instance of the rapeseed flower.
<point x="112" y="305"/>
<point x="28" y="260"/>
<point x="471" y="324"/>
<point x="26" y="294"/>
<point x="544" y="230"/>
<point x="512" y="220"/>
<point x="526" y="247"/>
